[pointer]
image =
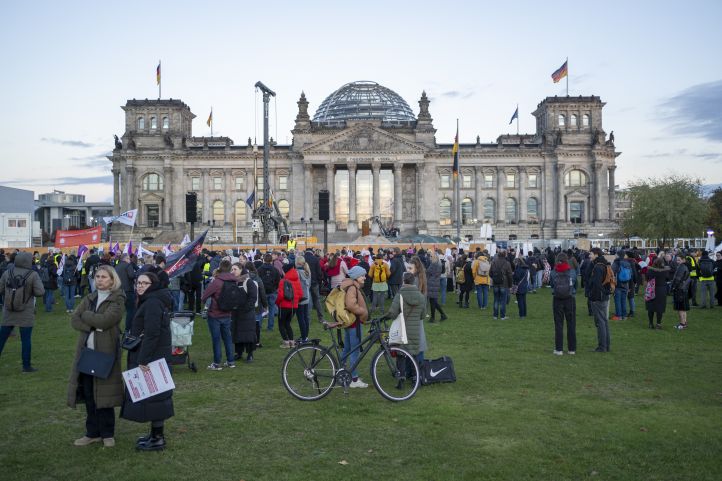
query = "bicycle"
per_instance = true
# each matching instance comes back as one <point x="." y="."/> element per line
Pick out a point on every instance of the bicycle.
<point x="311" y="370"/>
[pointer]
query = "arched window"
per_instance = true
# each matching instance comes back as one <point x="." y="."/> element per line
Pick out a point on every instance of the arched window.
<point x="284" y="207"/>
<point x="467" y="209"/>
<point x="490" y="210"/>
<point x="240" y="212"/>
<point x="585" y="120"/>
<point x="152" y="182"/>
<point x="141" y="123"/>
<point x="153" y="123"/>
<point x="445" y="211"/>
<point x="532" y="209"/>
<point x="218" y="213"/>
<point x="573" y="120"/>
<point x="166" y="123"/>
<point x="562" y="120"/>
<point x="511" y="211"/>
<point x="575" y="178"/>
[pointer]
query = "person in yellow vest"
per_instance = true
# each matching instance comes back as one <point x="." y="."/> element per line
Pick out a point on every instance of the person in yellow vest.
<point x="291" y="244"/>
<point x="693" y="266"/>
<point x="379" y="274"/>
<point x="706" y="280"/>
<point x="480" y="268"/>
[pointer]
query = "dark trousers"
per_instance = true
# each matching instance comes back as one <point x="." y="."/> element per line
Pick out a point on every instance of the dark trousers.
<point x="650" y="315"/>
<point x="25" y="340"/>
<point x="194" y="298"/>
<point x="600" y="311"/>
<point x="303" y="313"/>
<point x="434" y="303"/>
<point x="464" y="297"/>
<point x="284" y="324"/>
<point x="316" y="300"/>
<point x="247" y="347"/>
<point x="99" y="422"/>
<point x="565" y="309"/>
<point x="521" y="303"/>
<point x="693" y="290"/>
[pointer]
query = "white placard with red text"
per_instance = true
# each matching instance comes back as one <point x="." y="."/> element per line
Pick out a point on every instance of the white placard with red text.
<point x="144" y="384"/>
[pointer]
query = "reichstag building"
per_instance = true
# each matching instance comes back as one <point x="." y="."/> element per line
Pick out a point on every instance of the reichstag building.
<point x="377" y="158"/>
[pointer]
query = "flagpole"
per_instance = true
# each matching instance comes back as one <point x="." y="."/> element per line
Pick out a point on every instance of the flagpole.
<point x="211" y="121"/>
<point x="517" y="119"/>
<point x="567" y="62"/>
<point x="160" y="79"/>
<point x="457" y="191"/>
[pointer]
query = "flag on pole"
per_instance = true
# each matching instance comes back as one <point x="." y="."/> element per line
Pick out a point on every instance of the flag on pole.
<point x="455" y="151"/>
<point x="515" y="116"/>
<point x="61" y="266"/>
<point x="128" y="247"/>
<point x="82" y="250"/>
<point x="560" y="73"/>
<point x="251" y="199"/>
<point x="157" y="74"/>
<point x="186" y="240"/>
<point x="210" y="119"/>
<point x="127" y="218"/>
<point x="182" y="261"/>
<point x="142" y="251"/>
<point x="167" y="250"/>
<point x="115" y="249"/>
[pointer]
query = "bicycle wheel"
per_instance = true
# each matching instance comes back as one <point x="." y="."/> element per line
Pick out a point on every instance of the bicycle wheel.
<point x="308" y="373"/>
<point x="395" y="373"/>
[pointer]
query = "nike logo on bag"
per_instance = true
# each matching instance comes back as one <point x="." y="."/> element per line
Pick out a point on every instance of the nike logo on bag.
<point x="433" y="373"/>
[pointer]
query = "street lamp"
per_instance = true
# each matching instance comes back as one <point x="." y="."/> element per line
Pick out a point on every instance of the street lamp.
<point x="305" y="231"/>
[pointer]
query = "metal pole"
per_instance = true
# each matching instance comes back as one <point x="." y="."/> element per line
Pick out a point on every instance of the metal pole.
<point x="267" y="93"/>
<point x="325" y="236"/>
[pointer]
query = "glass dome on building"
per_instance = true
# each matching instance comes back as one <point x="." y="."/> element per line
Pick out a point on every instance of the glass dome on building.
<point x="364" y="100"/>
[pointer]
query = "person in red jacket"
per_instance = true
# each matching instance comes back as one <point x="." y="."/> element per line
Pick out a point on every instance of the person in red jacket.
<point x="288" y="306"/>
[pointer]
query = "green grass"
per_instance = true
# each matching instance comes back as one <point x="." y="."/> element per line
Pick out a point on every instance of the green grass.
<point x="650" y="409"/>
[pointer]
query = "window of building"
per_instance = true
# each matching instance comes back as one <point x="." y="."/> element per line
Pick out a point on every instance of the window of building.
<point x="141" y="123"/>
<point x="490" y="210"/>
<point x="12" y="222"/>
<point x="510" y="181"/>
<point x="195" y="183"/>
<point x="218" y="212"/>
<point x="466" y="181"/>
<point x="166" y="123"/>
<point x="488" y="181"/>
<point x="467" y="209"/>
<point x="575" y="178"/>
<point x="217" y="183"/>
<point x="533" y="181"/>
<point x="284" y="208"/>
<point x="532" y="210"/>
<point x="152" y="212"/>
<point x="576" y="211"/>
<point x="240" y="212"/>
<point x="445" y="181"/>
<point x="445" y="211"/>
<point x="282" y="182"/>
<point x="22" y="223"/>
<point x="240" y="183"/>
<point x="573" y="120"/>
<point x="153" y="123"/>
<point x="562" y="120"/>
<point x="152" y="182"/>
<point x="585" y="120"/>
<point x="511" y="210"/>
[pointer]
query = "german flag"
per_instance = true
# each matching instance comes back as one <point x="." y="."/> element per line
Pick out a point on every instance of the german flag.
<point x="560" y="73"/>
<point x="210" y="119"/>
<point x="157" y="74"/>
<point x="455" y="151"/>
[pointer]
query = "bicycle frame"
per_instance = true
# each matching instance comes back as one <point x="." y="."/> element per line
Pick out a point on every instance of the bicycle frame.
<point x="363" y="347"/>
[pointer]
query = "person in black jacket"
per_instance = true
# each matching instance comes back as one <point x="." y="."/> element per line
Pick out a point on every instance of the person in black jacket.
<point x="243" y="325"/>
<point x="397" y="268"/>
<point x="316" y="279"/>
<point x="659" y="274"/>
<point x="599" y="299"/>
<point x="152" y="320"/>
<point x="718" y="277"/>
<point x="271" y="278"/>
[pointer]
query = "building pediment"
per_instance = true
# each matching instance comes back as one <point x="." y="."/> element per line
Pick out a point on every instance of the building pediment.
<point x="364" y="138"/>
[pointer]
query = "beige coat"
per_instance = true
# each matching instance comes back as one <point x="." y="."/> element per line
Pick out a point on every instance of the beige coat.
<point x="355" y="300"/>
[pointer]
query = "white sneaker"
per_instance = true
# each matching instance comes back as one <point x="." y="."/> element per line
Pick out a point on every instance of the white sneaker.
<point x="358" y="383"/>
<point x="558" y="353"/>
<point x="571" y="353"/>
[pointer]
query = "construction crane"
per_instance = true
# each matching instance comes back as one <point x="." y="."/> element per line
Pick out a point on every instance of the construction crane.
<point x="268" y="212"/>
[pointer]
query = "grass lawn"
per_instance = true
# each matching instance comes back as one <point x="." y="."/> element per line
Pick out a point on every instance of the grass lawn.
<point x="651" y="409"/>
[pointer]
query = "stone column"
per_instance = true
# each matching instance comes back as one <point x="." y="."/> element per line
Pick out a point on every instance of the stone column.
<point x="168" y="194"/>
<point x="116" y="191"/>
<point x="478" y="196"/>
<point x="205" y="197"/>
<point x="561" y="202"/>
<point x="376" y="207"/>
<point x="331" y="187"/>
<point x="596" y="194"/>
<point x="308" y="191"/>
<point x="500" y="201"/>
<point x="419" y="194"/>
<point x="611" y="192"/>
<point x="352" y="226"/>
<point x="522" y="195"/>
<point x="228" y="204"/>
<point x="398" y="193"/>
<point x="130" y="188"/>
<point x="250" y="187"/>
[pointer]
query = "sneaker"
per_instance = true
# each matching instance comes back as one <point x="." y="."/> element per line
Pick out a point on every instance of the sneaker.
<point x="504" y="318"/>
<point x="29" y="369"/>
<point x="249" y="359"/>
<point x="495" y="318"/>
<point x="77" y="296"/>
<point x="285" y="345"/>
<point x="214" y="367"/>
<point x="229" y="365"/>
<point x="571" y="353"/>
<point x="558" y="353"/>
<point x="358" y="384"/>
<point x="108" y="442"/>
<point x="681" y="326"/>
<point x="85" y="440"/>
<point x="616" y="318"/>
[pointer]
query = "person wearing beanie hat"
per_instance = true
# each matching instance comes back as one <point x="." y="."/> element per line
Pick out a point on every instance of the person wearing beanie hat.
<point x="355" y="303"/>
<point x="356" y="272"/>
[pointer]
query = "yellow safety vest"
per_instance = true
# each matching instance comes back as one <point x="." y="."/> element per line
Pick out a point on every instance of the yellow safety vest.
<point x="207" y="269"/>
<point x="291" y="244"/>
<point x="693" y="266"/>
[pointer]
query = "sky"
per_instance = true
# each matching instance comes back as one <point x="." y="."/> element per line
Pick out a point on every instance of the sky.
<point x="69" y="66"/>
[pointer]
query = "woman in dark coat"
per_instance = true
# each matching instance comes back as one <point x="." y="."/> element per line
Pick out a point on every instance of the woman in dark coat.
<point x="468" y="284"/>
<point x="98" y="319"/>
<point x="433" y="286"/>
<point x="660" y="273"/>
<point x="521" y="280"/>
<point x="152" y="320"/>
<point x="243" y="319"/>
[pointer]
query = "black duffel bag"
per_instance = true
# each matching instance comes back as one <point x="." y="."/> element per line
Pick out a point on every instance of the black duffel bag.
<point x="437" y="370"/>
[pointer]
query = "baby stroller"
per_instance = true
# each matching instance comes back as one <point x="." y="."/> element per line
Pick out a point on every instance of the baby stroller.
<point x="181" y="328"/>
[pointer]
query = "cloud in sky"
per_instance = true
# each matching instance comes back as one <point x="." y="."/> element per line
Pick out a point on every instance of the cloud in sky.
<point x="100" y="179"/>
<point x="96" y="161"/>
<point x="456" y="94"/>
<point x="68" y="143"/>
<point x="696" y="111"/>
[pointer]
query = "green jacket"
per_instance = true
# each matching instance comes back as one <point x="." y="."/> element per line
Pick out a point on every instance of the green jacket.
<point x="33" y="288"/>
<point x="106" y="322"/>
<point x="414" y="313"/>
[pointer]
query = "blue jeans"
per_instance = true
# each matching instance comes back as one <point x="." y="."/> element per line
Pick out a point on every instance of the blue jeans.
<point x="48" y="299"/>
<point x="25" y="333"/>
<point x="221" y="329"/>
<point x="351" y="339"/>
<point x="69" y="296"/>
<point x="632" y="304"/>
<point x="303" y="313"/>
<point x="272" y="309"/>
<point x="521" y="303"/>
<point x="501" y="295"/>
<point x="539" y="278"/>
<point x="482" y="295"/>
<point x="442" y="297"/>
<point x="175" y="294"/>
<point x="620" y="302"/>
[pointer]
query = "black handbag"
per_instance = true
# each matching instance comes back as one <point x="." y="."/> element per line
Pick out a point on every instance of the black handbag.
<point x="130" y="342"/>
<point x="437" y="370"/>
<point x="95" y="363"/>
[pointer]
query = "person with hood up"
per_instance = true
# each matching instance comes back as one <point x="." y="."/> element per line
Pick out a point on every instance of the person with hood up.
<point x="356" y="303"/>
<point x="521" y="282"/>
<point x="656" y="297"/>
<point x="288" y="300"/>
<point x="219" y="321"/>
<point x="564" y="305"/>
<point x="21" y="312"/>
<point x="414" y="313"/>
<point x="244" y="318"/>
<point x="152" y="321"/>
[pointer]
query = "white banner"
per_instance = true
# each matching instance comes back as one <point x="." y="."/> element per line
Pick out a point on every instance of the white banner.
<point x="127" y="218"/>
<point x="144" y="384"/>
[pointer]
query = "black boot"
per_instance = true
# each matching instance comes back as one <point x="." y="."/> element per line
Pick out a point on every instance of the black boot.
<point x="155" y="443"/>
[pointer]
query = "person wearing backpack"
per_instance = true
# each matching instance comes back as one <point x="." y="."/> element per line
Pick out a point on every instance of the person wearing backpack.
<point x="599" y="287"/>
<point x="433" y="286"/>
<point x="303" y="313"/>
<point x="355" y="303"/>
<point x="379" y="273"/>
<point x="69" y="283"/>
<point x="680" y="292"/>
<point x="501" y="278"/>
<point x="288" y="294"/>
<point x="564" y="305"/>
<point x="521" y="283"/>
<point x="655" y="294"/>
<point x="706" y="281"/>
<point x="623" y="271"/>
<point x="634" y="282"/>
<point x="270" y="277"/>
<point x="49" y="276"/>
<point x="481" y="268"/>
<point x="20" y="285"/>
<point x="220" y="313"/>
<point x="244" y="317"/>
